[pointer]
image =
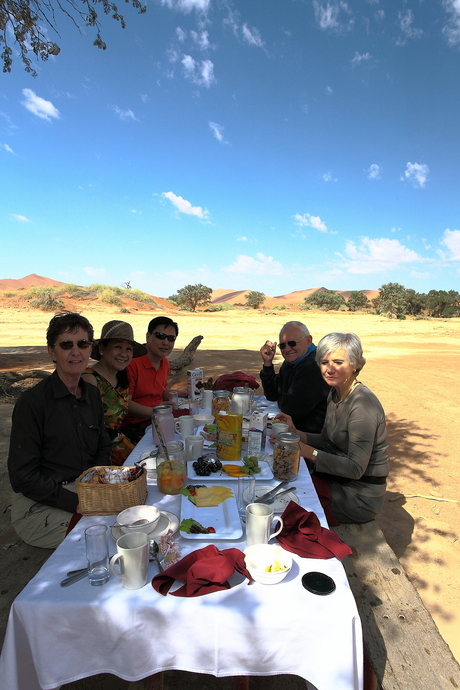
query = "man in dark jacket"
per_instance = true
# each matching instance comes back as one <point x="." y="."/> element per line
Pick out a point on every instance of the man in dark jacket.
<point x="298" y="388"/>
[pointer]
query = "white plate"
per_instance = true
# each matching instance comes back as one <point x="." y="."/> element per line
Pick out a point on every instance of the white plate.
<point x="279" y="504"/>
<point x="221" y="476"/>
<point x="168" y="521"/>
<point x="224" y="518"/>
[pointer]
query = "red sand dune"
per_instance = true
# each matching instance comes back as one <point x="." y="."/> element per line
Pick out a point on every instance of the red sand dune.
<point x="296" y="297"/>
<point x="26" y="282"/>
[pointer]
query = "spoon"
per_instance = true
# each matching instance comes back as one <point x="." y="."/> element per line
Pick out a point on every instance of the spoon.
<point x="137" y="523"/>
<point x="154" y="548"/>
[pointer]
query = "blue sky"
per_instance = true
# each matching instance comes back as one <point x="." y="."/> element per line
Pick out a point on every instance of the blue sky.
<point x="272" y="145"/>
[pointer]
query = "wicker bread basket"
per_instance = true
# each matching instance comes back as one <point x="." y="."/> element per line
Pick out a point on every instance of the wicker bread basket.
<point x="110" y="499"/>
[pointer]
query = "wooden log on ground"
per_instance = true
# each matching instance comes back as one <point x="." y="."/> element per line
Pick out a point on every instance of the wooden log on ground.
<point x="184" y="360"/>
<point x="7" y="378"/>
<point x="401" y="639"/>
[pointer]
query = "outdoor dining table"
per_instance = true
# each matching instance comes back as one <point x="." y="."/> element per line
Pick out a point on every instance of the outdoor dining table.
<point x="58" y="635"/>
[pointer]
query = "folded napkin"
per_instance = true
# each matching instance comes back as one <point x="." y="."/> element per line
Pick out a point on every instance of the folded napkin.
<point x="203" y="571"/>
<point x="302" y="534"/>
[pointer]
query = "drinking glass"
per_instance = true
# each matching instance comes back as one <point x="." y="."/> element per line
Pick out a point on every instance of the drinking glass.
<point x="97" y="554"/>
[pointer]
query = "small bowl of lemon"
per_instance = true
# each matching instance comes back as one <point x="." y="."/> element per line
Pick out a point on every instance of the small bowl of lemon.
<point x="267" y="563"/>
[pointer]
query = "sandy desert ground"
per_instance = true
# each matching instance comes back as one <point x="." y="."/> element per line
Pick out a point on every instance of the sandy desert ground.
<point x="412" y="367"/>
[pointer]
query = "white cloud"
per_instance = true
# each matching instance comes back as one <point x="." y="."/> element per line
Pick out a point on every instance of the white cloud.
<point x="201" y="74"/>
<point x="242" y="239"/>
<point x="416" y="173"/>
<point x="7" y="148"/>
<point x="252" y="36"/>
<point x="377" y="255"/>
<point x="201" y="39"/>
<point x="180" y="33"/>
<point x="124" y="114"/>
<point x="187" y="6"/>
<point x="328" y="177"/>
<point x="451" y="240"/>
<point x="184" y="206"/>
<point x="359" y="58"/>
<point x="38" y="106"/>
<point x="452" y="29"/>
<point x="310" y="221"/>
<point x="95" y="272"/>
<point x="21" y="219"/>
<point x="218" y="131"/>
<point x="328" y="90"/>
<point x="144" y="98"/>
<point x="261" y="266"/>
<point x="405" y="23"/>
<point x="374" y="171"/>
<point x="327" y="15"/>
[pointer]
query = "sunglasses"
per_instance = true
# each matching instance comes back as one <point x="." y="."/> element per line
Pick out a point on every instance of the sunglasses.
<point x="163" y="336"/>
<point x="68" y="344"/>
<point x="291" y="343"/>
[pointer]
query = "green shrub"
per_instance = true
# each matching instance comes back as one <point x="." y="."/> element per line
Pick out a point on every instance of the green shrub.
<point x="124" y="310"/>
<point x="227" y="306"/>
<point x="99" y="287"/>
<point x="214" y="307"/>
<point x="47" y="302"/>
<point x="110" y="296"/>
<point x="9" y="294"/>
<point x="139" y="296"/>
<point x="40" y="290"/>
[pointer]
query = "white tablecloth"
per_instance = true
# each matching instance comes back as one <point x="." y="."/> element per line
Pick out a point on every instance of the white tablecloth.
<point x="58" y="635"/>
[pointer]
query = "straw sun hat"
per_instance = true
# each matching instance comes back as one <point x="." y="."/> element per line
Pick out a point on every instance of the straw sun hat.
<point x="118" y="330"/>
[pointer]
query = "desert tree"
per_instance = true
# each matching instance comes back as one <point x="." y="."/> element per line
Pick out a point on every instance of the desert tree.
<point x="254" y="299"/>
<point x="391" y="300"/>
<point x="326" y="300"/>
<point x="357" y="300"/>
<point x="27" y="22"/>
<point x="191" y="296"/>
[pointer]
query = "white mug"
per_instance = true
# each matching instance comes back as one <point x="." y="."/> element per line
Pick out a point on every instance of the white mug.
<point x="185" y="425"/>
<point x="193" y="447"/>
<point x="259" y="519"/>
<point x="133" y="560"/>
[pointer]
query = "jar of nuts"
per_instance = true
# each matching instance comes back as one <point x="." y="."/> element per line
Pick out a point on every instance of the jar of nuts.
<point x="286" y="456"/>
<point x="220" y="402"/>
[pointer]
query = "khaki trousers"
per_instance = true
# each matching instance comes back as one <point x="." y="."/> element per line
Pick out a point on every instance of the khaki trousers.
<point x="37" y="524"/>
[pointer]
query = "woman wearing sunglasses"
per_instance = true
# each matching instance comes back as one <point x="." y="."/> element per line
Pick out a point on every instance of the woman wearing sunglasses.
<point x="349" y="457"/>
<point x="58" y="432"/>
<point x="114" y="351"/>
<point x="148" y="377"/>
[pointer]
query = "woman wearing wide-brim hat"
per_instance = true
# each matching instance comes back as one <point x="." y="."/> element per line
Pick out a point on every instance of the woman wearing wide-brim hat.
<point x="114" y="350"/>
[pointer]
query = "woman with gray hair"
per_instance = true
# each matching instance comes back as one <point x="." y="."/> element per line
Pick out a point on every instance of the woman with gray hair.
<point x="348" y="459"/>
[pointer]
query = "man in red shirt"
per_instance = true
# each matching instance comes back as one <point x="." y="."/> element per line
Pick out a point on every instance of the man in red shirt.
<point x="148" y="376"/>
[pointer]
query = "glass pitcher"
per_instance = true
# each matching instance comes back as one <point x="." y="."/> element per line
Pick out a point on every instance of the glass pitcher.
<point x="164" y="417"/>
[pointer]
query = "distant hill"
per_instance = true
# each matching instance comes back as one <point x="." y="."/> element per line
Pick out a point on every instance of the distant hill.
<point x="28" y="281"/>
<point x="219" y="296"/>
<point x="297" y="297"/>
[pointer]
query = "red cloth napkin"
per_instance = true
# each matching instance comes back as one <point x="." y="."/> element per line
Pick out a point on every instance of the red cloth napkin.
<point x="227" y="382"/>
<point x="302" y="534"/>
<point x="203" y="571"/>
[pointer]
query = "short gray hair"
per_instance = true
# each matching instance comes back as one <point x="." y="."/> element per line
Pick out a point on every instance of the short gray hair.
<point x="301" y="326"/>
<point x="350" y="343"/>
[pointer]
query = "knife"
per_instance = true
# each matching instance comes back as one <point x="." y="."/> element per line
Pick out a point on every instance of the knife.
<point x="271" y="493"/>
<point x="74" y="578"/>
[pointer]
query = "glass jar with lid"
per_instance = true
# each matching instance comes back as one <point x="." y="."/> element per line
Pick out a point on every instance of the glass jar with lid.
<point x="286" y="456"/>
<point x="164" y="417"/>
<point x="220" y="402"/>
<point x="171" y="470"/>
<point x="241" y="400"/>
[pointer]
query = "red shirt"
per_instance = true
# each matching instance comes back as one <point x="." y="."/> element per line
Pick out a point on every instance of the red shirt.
<point x="146" y="384"/>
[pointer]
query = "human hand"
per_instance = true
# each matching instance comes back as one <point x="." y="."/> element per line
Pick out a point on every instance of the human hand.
<point x="286" y="419"/>
<point x="268" y="352"/>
